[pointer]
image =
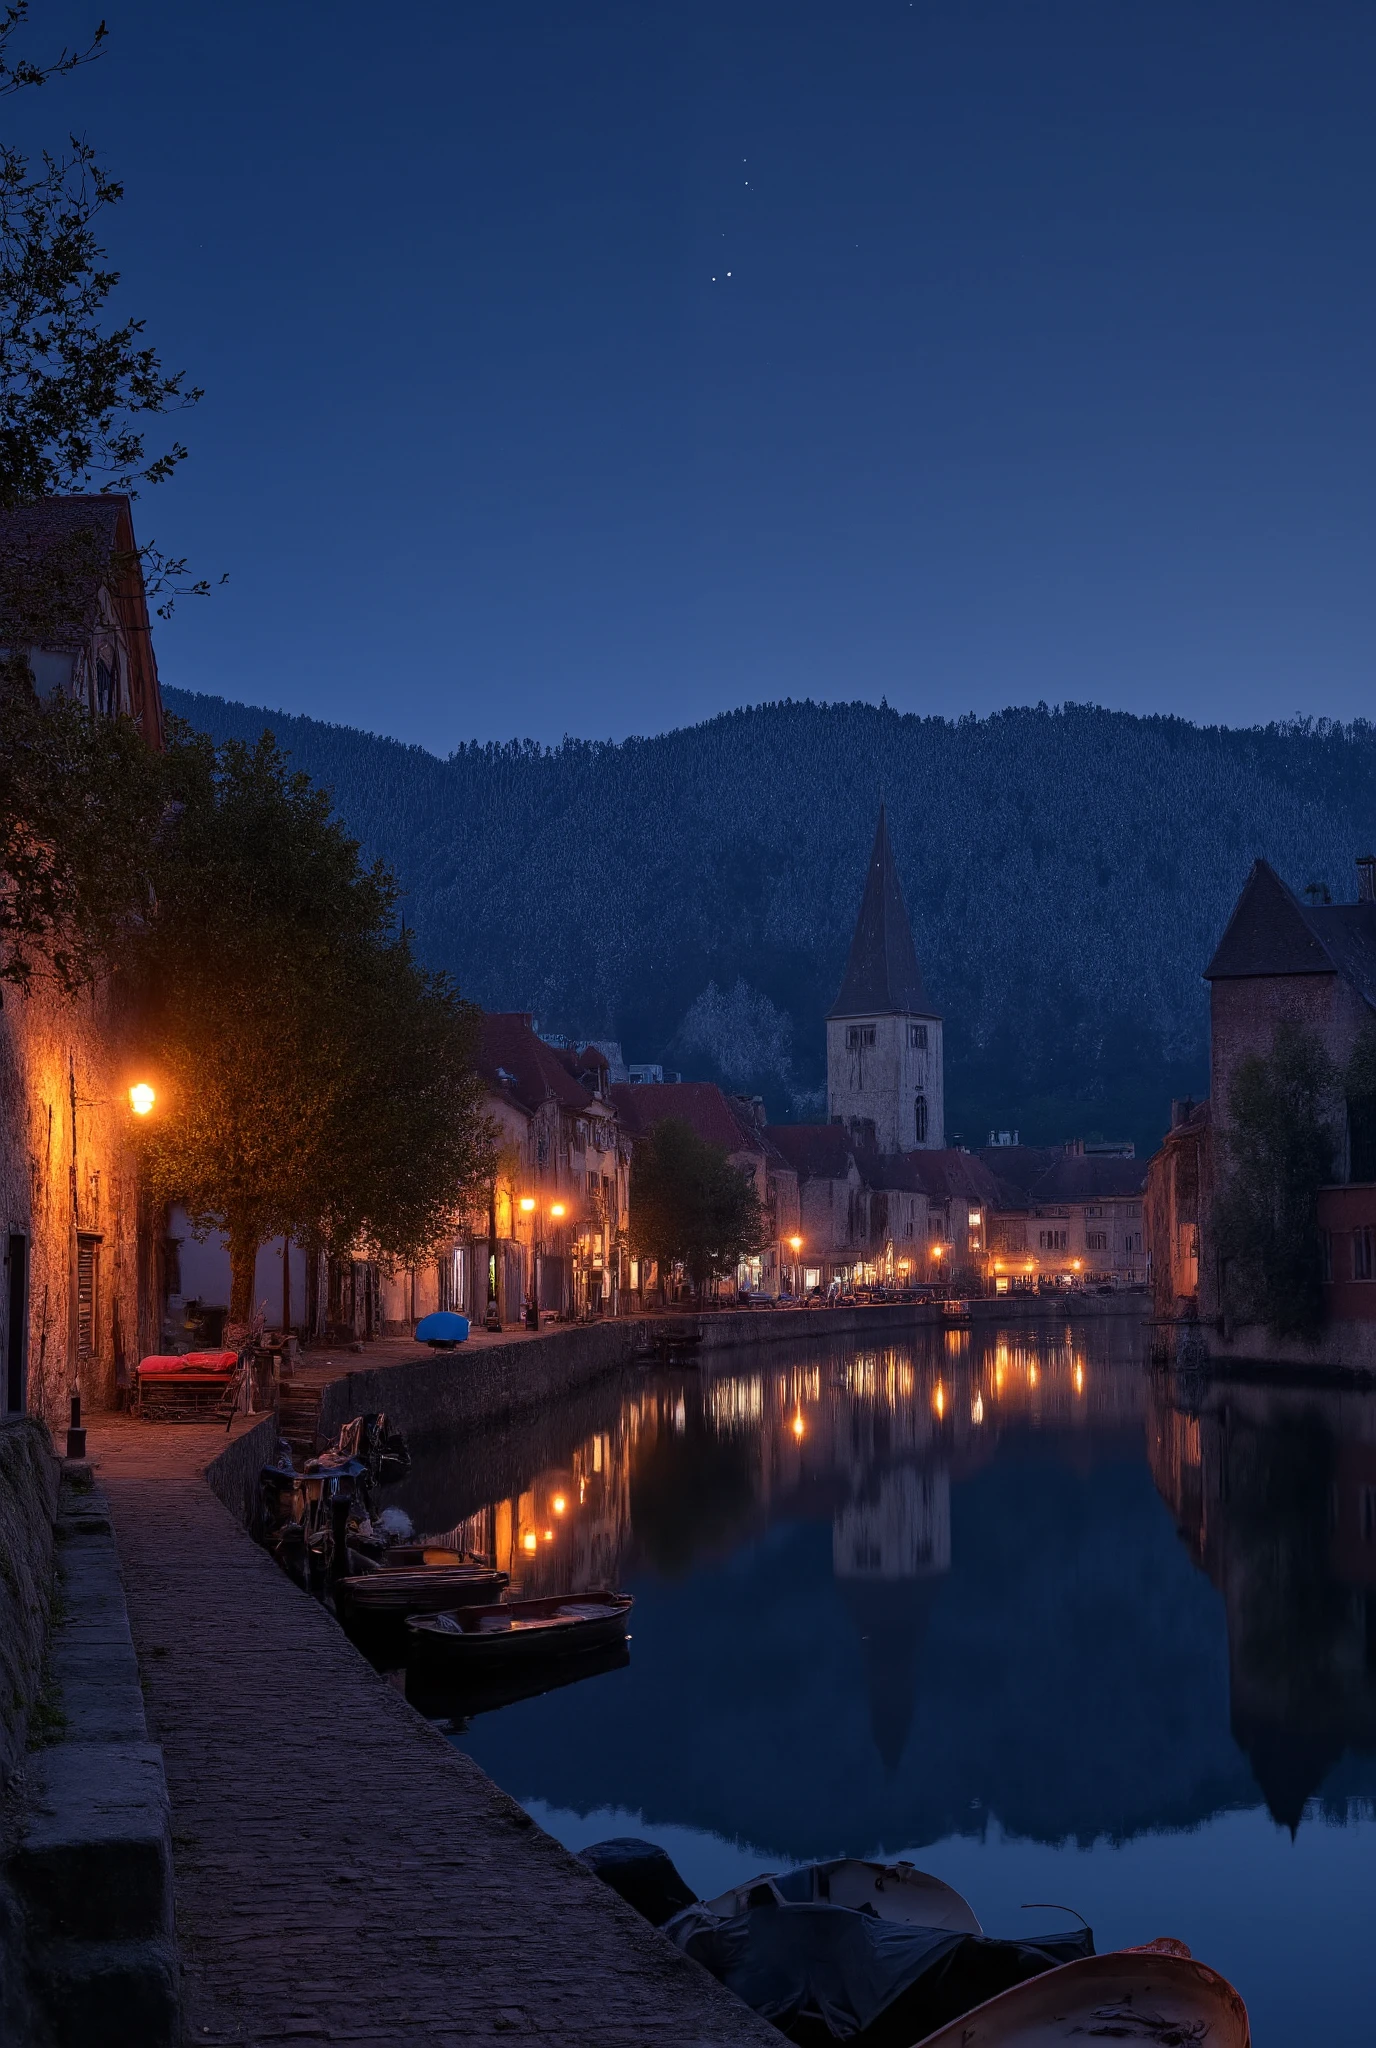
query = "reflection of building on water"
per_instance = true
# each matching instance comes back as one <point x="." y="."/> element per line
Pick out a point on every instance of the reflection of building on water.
<point x="889" y="1544"/>
<point x="692" y="1464"/>
<point x="900" y="1528"/>
<point x="1274" y="1492"/>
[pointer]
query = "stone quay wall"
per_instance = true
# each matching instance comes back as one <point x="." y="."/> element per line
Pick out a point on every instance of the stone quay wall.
<point x="28" y="1511"/>
<point x="438" y="1392"/>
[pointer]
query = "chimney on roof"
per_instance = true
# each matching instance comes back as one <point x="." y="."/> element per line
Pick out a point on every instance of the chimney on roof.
<point x="1182" y="1109"/>
<point x="1366" y="878"/>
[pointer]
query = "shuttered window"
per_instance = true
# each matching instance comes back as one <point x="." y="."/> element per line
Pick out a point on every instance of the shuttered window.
<point x="87" y="1295"/>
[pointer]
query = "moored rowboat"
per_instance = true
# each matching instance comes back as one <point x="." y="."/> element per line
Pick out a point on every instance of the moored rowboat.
<point x="478" y="1638"/>
<point x="1135" y="1995"/>
<point x="421" y="1589"/>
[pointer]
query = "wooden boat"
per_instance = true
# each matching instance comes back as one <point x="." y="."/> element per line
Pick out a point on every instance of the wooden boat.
<point x="456" y="1696"/>
<point x="517" y="1631"/>
<point x="419" y="1589"/>
<point x="1155" y="1995"/>
<point x="894" y="1891"/>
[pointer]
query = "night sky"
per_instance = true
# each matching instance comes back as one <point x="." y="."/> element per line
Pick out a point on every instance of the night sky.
<point x="593" y="368"/>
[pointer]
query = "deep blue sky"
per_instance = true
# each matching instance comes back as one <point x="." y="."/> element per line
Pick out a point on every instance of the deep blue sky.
<point x="1043" y="368"/>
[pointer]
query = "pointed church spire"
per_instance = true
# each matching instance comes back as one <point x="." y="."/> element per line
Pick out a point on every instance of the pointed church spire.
<point x="882" y="976"/>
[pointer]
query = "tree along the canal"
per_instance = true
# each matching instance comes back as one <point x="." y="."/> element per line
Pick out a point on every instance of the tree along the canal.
<point x="690" y="1205"/>
<point x="313" y="1079"/>
<point x="78" y="797"/>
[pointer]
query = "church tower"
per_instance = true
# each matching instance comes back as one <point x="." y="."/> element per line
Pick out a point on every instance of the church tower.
<point x="884" y="1072"/>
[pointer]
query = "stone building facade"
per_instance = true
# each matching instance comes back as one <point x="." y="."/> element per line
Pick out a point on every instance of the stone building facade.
<point x="82" y="1293"/>
<point x="1279" y="961"/>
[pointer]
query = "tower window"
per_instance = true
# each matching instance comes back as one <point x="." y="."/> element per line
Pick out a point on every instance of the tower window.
<point x="859" y="1035"/>
<point x="920" y="1113"/>
<point x="917" y="1037"/>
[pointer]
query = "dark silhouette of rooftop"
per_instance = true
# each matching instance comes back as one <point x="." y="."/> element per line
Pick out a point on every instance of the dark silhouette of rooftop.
<point x="882" y="976"/>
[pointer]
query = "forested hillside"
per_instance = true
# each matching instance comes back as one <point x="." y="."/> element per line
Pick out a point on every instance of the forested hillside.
<point x="1067" y="872"/>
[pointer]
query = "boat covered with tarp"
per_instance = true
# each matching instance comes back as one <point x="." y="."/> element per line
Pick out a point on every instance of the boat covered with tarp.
<point x="849" y="1950"/>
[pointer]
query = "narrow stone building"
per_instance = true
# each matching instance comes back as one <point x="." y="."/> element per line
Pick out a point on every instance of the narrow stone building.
<point x="81" y="1299"/>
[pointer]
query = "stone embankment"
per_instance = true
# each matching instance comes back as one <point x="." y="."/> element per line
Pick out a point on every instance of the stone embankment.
<point x="342" y="1872"/>
<point x="426" y="1393"/>
<point x="86" y="1942"/>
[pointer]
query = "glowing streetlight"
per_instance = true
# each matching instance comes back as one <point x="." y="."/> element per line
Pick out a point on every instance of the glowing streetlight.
<point x="558" y="1504"/>
<point x="797" y="1243"/>
<point x="141" y="1098"/>
<point x="527" y="1203"/>
<point x="557" y="1209"/>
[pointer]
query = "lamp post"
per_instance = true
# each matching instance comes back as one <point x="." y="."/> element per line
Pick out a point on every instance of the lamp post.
<point x="557" y="1213"/>
<point x="795" y="1245"/>
<point x="493" y="1318"/>
<point x="533" y="1302"/>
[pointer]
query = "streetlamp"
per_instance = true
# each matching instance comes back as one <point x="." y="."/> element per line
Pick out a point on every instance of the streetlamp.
<point x="533" y="1304"/>
<point x="142" y="1098"/>
<point x="557" y="1213"/>
<point x="795" y="1245"/>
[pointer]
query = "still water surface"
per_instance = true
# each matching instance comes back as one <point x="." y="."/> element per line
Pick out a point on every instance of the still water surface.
<point x="1053" y="1624"/>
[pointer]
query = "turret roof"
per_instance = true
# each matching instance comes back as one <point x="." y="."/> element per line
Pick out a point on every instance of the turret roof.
<point x="882" y="976"/>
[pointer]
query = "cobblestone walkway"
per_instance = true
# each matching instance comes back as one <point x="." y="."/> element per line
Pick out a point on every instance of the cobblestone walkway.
<point x="343" y="1874"/>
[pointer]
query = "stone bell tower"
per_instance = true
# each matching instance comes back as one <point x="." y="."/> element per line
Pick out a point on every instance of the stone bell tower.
<point x="884" y="1071"/>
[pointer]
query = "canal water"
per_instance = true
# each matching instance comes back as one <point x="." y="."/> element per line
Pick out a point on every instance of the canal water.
<point x="1051" y="1623"/>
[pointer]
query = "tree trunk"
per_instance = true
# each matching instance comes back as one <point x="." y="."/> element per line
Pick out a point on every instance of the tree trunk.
<point x="243" y="1257"/>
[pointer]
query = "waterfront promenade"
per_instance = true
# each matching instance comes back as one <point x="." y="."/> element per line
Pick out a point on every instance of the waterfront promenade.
<point x="343" y="1874"/>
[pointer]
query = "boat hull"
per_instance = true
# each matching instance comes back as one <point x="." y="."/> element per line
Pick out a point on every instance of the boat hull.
<point x="428" y="1589"/>
<point x="538" y="1633"/>
<point x="1121" y="1993"/>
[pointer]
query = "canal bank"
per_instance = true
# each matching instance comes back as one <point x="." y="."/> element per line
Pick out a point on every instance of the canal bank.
<point x="428" y="1393"/>
<point x="342" y="1873"/>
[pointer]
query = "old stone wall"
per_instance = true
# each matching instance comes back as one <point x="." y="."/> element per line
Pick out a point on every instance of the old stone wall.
<point x="28" y="1508"/>
<point x="1245" y="1013"/>
<point x="67" y="1174"/>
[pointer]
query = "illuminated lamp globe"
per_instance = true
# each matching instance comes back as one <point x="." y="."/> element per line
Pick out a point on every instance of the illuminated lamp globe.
<point x="556" y="1209"/>
<point x="141" y="1098"/>
<point x="527" y="1203"/>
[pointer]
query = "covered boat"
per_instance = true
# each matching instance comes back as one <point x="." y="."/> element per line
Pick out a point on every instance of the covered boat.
<point x="485" y="1638"/>
<point x="868" y="1953"/>
<point x="1157" y="1994"/>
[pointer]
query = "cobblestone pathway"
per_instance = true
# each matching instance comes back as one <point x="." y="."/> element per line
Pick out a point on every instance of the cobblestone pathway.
<point x="343" y="1874"/>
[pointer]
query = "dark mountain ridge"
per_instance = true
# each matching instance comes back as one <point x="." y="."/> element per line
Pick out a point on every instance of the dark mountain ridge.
<point x="1067" y="872"/>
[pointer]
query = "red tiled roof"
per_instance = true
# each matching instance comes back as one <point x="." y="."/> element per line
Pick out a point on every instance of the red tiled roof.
<point x="699" y="1104"/>
<point x="943" y="1175"/>
<point x="508" y="1046"/>
<point x="814" y="1151"/>
<point x="1077" y="1179"/>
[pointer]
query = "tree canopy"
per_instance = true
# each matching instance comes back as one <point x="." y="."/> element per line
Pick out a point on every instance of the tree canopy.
<point x="312" y="1078"/>
<point x="1279" y="1148"/>
<point x="689" y="1204"/>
